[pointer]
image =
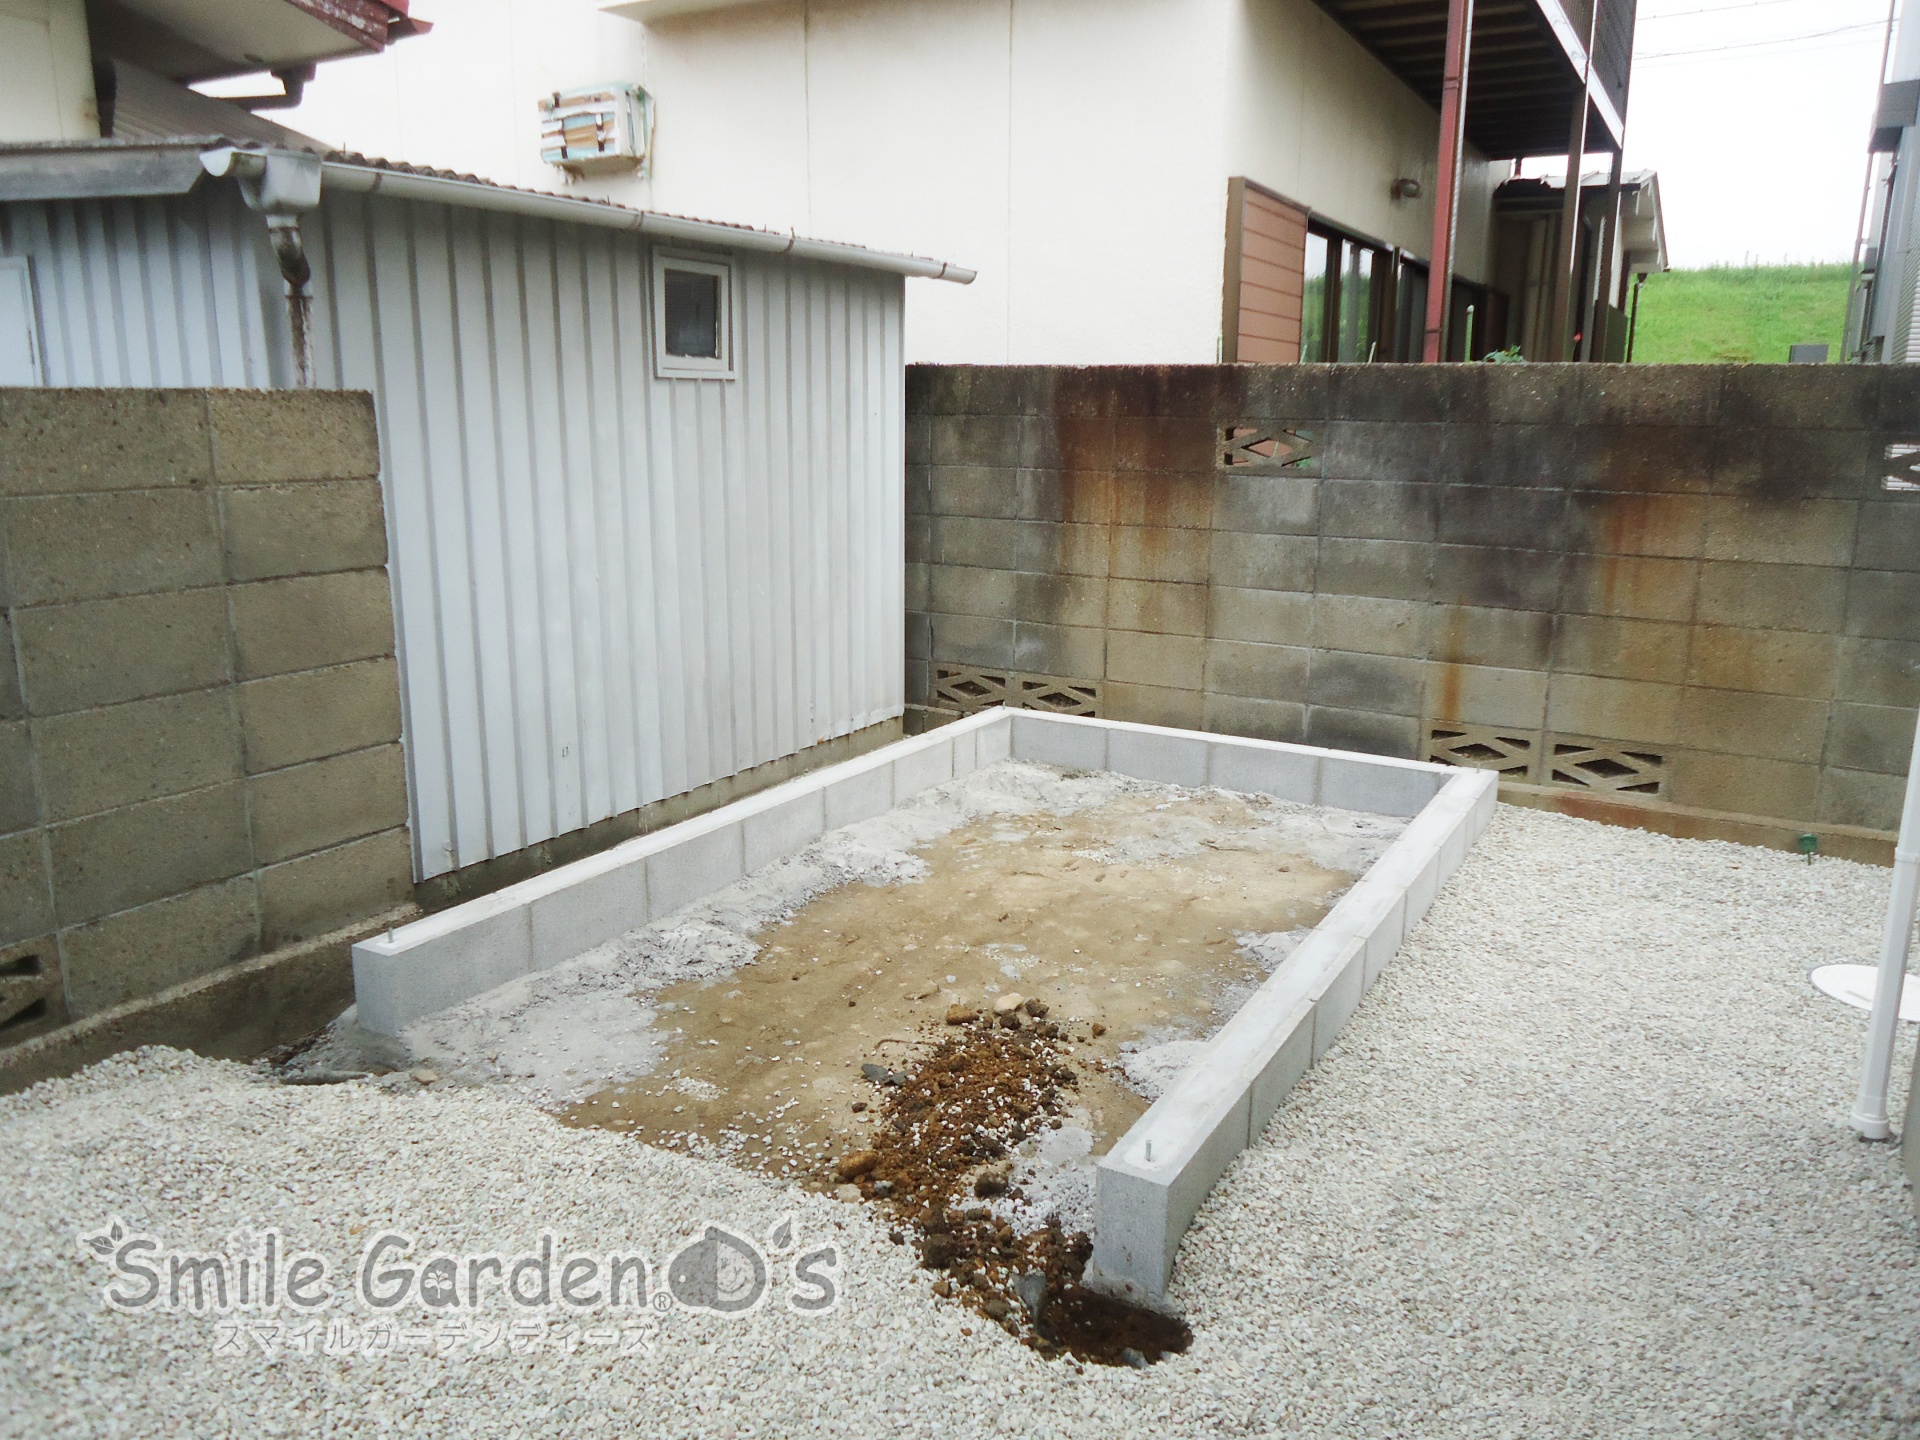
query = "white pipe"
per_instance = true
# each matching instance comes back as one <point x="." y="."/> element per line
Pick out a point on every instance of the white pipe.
<point x="479" y="195"/>
<point x="1870" y="1110"/>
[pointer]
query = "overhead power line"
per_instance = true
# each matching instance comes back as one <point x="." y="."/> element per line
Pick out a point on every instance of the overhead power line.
<point x="1756" y="44"/>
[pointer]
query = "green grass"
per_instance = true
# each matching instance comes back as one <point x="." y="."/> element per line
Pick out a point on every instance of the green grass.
<point x="1750" y="313"/>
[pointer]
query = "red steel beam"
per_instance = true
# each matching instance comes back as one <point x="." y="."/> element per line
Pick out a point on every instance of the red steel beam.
<point x="1446" y="203"/>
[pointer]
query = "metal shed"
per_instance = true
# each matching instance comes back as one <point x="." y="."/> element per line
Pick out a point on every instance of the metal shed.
<point x="611" y="585"/>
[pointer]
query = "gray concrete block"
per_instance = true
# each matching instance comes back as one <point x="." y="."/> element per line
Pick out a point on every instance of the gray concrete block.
<point x="12" y="704"/>
<point x="1385" y="451"/>
<point x="1503" y="517"/>
<point x="1830" y="397"/>
<point x="919" y="638"/>
<point x="423" y="968"/>
<point x="993" y="741"/>
<point x="1387" y="392"/>
<point x="1878" y="672"/>
<point x="705" y="855"/>
<point x="315" y="806"/>
<point x="1287" y="772"/>
<point x="972" y="640"/>
<point x="1780" y="531"/>
<point x="1164" y="502"/>
<point x="1889" y="536"/>
<point x="1772" y="597"/>
<point x="1282" y="1063"/>
<point x="1648" y="459"/>
<point x="1086" y="549"/>
<point x="1174" y="444"/>
<point x="93" y="760"/>
<point x="1154" y="705"/>
<point x="1865" y="737"/>
<point x="919" y="539"/>
<point x="26" y="889"/>
<point x="1379" y="510"/>
<point x="306" y="529"/>
<point x="1506" y="579"/>
<point x="1486" y="695"/>
<point x="1156" y="607"/>
<point x="1389" y="684"/>
<point x="1286" y="392"/>
<point x="1264" y="562"/>
<point x="1776" y="662"/>
<point x="1774" y="465"/>
<point x="1610" y="709"/>
<point x="1345" y="987"/>
<point x="1139" y="552"/>
<point x="1670" y="395"/>
<point x="1147" y="753"/>
<point x="1608" y="523"/>
<point x="1743" y="784"/>
<point x="66" y="441"/>
<point x="1631" y="649"/>
<point x="1373" y="627"/>
<point x="63" y="548"/>
<point x="783" y="826"/>
<point x="919" y="587"/>
<point x="1071" y="652"/>
<point x="1269" y="672"/>
<point x="1059" y="740"/>
<point x="970" y="590"/>
<point x="19" y="797"/>
<point x="330" y="889"/>
<point x="101" y="652"/>
<point x="1274" y="617"/>
<point x="130" y="856"/>
<point x="1367" y="731"/>
<point x="1884" y="604"/>
<point x="308" y="622"/>
<point x="995" y="544"/>
<point x="1516" y="457"/>
<point x="1266" y="504"/>
<point x="1538" y="394"/>
<point x="141" y="951"/>
<point x="1858" y="797"/>
<point x="1388" y="569"/>
<point x="1175" y="662"/>
<point x="1060" y="599"/>
<point x="1631" y="586"/>
<point x="1258" y="719"/>
<point x="265" y="436"/>
<point x="1739" y="722"/>
<point x="288" y="719"/>
<point x="1509" y="639"/>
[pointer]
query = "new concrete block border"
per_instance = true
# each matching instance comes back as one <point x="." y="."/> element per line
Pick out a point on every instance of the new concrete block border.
<point x="1154" y="1179"/>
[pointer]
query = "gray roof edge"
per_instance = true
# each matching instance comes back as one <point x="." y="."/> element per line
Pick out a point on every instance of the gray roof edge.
<point x="101" y="170"/>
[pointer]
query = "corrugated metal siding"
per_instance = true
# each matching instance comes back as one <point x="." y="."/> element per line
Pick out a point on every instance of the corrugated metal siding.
<point x="153" y="292"/>
<point x="608" y="588"/>
<point x="611" y="588"/>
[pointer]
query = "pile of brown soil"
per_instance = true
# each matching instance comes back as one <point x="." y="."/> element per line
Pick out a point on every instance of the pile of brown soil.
<point x="944" y="1127"/>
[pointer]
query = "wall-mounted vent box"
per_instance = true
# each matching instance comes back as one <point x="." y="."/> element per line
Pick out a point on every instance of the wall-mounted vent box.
<point x="598" y="129"/>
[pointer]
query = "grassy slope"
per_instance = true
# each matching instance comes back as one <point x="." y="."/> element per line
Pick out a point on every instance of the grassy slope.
<point x="1740" y="314"/>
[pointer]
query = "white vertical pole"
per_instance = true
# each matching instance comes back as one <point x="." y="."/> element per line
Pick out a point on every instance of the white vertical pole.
<point x="1870" y="1110"/>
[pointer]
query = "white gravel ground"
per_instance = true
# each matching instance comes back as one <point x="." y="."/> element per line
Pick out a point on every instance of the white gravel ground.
<point x="1579" y="1167"/>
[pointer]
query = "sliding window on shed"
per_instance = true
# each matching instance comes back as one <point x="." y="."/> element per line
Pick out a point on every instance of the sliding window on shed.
<point x="692" y="317"/>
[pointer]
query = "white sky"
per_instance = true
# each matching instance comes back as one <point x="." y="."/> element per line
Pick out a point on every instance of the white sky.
<point x="1761" y="141"/>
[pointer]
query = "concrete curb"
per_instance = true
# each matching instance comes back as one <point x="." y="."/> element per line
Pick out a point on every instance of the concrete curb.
<point x="1153" y="1181"/>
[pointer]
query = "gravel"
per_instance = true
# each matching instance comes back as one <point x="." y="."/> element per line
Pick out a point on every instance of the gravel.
<point x="1579" y="1167"/>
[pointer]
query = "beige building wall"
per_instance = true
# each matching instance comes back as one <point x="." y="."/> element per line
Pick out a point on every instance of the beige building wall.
<point x="46" y="72"/>
<point x="1312" y="114"/>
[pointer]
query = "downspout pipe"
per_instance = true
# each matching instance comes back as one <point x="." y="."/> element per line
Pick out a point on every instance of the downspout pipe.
<point x="281" y="185"/>
<point x="1446" y="203"/>
<point x="1870" y="1110"/>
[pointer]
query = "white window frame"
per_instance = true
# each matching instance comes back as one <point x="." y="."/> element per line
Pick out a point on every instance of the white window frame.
<point x="692" y="367"/>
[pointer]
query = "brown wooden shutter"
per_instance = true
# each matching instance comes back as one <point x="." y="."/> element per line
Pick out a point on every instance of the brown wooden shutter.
<point x="1265" y="276"/>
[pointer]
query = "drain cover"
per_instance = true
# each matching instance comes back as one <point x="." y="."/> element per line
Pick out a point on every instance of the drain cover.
<point x="1853" y="985"/>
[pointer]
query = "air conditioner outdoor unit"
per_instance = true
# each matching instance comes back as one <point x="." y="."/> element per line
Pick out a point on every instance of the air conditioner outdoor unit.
<point x="596" y="130"/>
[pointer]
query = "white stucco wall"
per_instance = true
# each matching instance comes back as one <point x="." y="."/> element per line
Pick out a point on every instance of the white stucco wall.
<point x="46" y="72"/>
<point x="1074" y="152"/>
<point x="1312" y="114"/>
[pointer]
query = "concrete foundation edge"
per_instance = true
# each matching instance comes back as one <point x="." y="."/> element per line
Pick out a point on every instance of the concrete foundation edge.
<point x="233" y="1014"/>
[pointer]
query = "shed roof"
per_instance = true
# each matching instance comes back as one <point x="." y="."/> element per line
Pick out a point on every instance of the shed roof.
<point x="101" y="169"/>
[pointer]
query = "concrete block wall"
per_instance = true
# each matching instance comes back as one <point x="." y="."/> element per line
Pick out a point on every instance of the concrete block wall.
<point x="1700" y="561"/>
<point x="199" y="707"/>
